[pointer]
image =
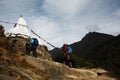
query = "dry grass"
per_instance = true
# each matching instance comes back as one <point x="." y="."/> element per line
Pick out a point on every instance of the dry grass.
<point x="2" y="40"/>
<point x="3" y="51"/>
<point x="30" y="68"/>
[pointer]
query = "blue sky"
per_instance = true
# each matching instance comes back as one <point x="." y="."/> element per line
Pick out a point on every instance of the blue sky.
<point x="64" y="21"/>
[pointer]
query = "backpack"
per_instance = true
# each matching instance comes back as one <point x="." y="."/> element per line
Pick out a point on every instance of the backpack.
<point x="69" y="50"/>
<point x="31" y="41"/>
<point x="35" y="42"/>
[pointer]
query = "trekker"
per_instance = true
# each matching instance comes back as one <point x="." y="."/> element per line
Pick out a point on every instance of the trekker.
<point x="31" y="45"/>
<point x="67" y="51"/>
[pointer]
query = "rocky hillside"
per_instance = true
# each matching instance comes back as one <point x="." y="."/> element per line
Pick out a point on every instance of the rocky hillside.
<point x="17" y="45"/>
<point x="16" y="65"/>
<point x="22" y="67"/>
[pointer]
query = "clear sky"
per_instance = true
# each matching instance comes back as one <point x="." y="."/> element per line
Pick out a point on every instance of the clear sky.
<point x="64" y="21"/>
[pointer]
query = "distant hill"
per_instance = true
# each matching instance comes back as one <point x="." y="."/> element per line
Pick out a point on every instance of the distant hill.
<point x="89" y="42"/>
<point x="95" y="50"/>
<point x="106" y="55"/>
<point x="100" y="50"/>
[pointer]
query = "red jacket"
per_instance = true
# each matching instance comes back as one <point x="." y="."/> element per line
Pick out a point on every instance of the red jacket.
<point x="64" y="49"/>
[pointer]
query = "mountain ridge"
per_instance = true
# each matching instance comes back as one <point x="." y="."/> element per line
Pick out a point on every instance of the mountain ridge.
<point x="91" y="40"/>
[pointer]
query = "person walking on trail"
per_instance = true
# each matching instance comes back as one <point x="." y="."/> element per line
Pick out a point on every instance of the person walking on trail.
<point x="31" y="45"/>
<point x="67" y="51"/>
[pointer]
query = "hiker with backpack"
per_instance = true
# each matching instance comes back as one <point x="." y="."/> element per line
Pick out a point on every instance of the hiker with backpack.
<point x="67" y="52"/>
<point x="31" y="45"/>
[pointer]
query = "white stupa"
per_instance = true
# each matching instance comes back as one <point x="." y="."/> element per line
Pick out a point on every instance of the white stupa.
<point x="19" y="28"/>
